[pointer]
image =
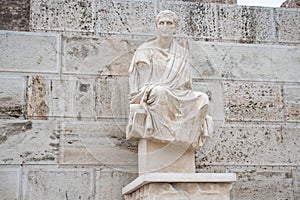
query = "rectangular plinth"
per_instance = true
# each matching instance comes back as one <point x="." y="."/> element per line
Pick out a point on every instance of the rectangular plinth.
<point x="178" y="178"/>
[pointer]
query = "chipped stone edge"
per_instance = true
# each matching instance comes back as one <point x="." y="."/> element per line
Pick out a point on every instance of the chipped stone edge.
<point x="178" y="177"/>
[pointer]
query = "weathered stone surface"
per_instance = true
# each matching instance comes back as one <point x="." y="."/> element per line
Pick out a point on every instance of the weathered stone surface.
<point x="291" y="4"/>
<point x="245" y="24"/>
<point x="71" y="15"/>
<point x="37" y="106"/>
<point x="292" y="103"/>
<point x="11" y="96"/>
<point x="109" y="183"/>
<point x="287" y="25"/>
<point x="112" y="97"/>
<point x="10" y="183"/>
<point x="251" y="144"/>
<point x="97" y="143"/>
<point x="126" y="16"/>
<point x="296" y="183"/>
<point x="28" y="142"/>
<point x="198" y="20"/>
<point x="262" y="184"/>
<point x="184" y="191"/>
<point x="59" y="184"/>
<point x="104" y="55"/>
<point x="235" y="61"/>
<point x="253" y="101"/>
<point x="14" y="15"/>
<point x="22" y="52"/>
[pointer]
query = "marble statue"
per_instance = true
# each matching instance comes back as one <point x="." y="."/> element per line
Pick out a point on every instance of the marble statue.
<point x="163" y="106"/>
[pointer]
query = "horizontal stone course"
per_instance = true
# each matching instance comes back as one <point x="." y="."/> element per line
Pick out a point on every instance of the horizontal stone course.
<point x="22" y="52"/>
<point x="28" y="142"/>
<point x="257" y="144"/>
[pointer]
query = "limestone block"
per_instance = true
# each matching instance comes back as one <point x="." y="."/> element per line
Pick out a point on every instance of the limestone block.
<point x="22" y="52"/>
<point x="126" y="16"/>
<point x="296" y="183"/>
<point x="251" y="144"/>
<point x="71" y="15"/>
<point x="72" y="97"/>
<point x="195" y="19"/>
<point x="112" y="97"/>
<point x="292" y="103"/>
<point x="37" y="101"/>
<point x="245" y="24"/>
<point x="253" y="101"/>
<point x="102" y="55"/>
<point x="59" y="184"/>
<point x="97" y="143"/>
<point x="109" y="183"/>
<point x="29" y="142"/>
<point x="11" y="97"/>
<point x="10" y="183"/>
<point x="267" y="183"/>
<point x="236" y="61"/>
<point x="287" y="25"/>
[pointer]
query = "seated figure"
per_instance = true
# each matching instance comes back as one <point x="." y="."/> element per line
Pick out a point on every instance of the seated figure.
<point x="163" y="106"/>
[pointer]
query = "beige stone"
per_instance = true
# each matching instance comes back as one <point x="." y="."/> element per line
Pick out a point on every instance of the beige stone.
<point x="12" y="97"/>
<point x="22" y="52"/>
<point x="292" y="103"/>
<point x="10" y="183"/>
<point x="253" y="101"/>
<point x="180" y="186"/>
<point x="28" y="142"/>
<point x="97" y="143"/>
<point x="58" y="15"/>
<point x="59" y="184"/>
<point x="251" y="144"/>
<point x="109" y="183"/>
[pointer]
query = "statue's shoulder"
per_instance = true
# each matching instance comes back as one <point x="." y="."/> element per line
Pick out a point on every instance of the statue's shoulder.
<point x="147" y="44"/>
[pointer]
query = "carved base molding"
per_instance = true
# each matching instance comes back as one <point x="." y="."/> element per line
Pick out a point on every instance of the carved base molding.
<point x="180" y="186"/>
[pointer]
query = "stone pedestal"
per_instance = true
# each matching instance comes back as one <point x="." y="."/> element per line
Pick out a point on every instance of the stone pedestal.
<point x="180" y="186"/>
<point x="165" y="157"/>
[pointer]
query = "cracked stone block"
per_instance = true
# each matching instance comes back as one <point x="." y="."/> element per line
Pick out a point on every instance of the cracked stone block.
<point x="109" y="183"/>
<point x="58" y="184"/>
<point x="287" y="25"/>
<point x="97" y="143"/>
<point x="245" y="24"/>
<point x="251" y="144"/>
<point x="11" y="97"/>
<point x="112" y="97"/>
<point x="195" y="19"/>
<point x="70" y="15"/>
<point x="235" y="61"/>
<point x="10" y="183"/>
<point x="22" y="52"/>
<point x="27" y="142"/>
<point x="133" y="17"/>
<point x="292" y="103"/>
<point x="253" y="101"/>
<point x="268" y="183"/>
<point x="105" y="55"/>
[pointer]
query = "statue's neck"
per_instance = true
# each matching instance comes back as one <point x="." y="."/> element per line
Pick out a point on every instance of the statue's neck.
<point x="164" y="42"/>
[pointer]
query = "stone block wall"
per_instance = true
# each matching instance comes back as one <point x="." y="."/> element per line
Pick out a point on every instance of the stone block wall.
<point x="14" y="15"/>
<point x="64" y="87"/>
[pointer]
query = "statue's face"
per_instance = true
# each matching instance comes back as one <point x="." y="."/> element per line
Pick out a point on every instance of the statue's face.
<point x="166" y="27"/>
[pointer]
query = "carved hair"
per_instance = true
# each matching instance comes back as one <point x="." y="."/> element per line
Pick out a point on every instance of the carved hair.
<point x="167" y="13"/>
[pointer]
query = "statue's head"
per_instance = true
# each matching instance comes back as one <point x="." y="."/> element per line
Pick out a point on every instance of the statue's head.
<point x="166" y="23"/>
<point x="169" y="14"/>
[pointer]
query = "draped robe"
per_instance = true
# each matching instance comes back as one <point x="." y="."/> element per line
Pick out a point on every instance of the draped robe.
<point x="163" y="106"/>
